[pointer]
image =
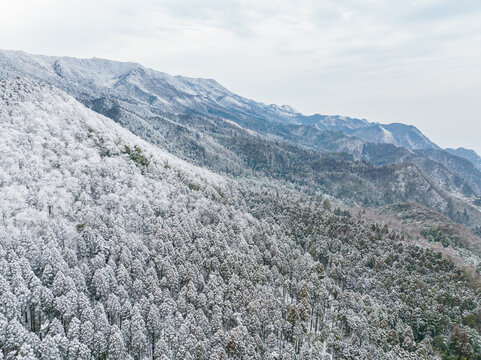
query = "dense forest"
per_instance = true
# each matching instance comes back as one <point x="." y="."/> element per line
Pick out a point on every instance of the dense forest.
<point x="111" y="248"/>
<point x="202" y="122"/>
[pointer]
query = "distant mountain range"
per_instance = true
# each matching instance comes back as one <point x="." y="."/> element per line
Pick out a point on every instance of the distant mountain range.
<point x="195" y="119"/>
<point x="147" y="216"/>
<point x="468" y="154"/>
<point x="177" y="94"/>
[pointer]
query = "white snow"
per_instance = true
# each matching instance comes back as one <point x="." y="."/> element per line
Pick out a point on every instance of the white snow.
<point x="387" y="136"/>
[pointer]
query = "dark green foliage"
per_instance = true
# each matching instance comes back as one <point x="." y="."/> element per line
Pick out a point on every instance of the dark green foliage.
<point x="193" y="187"/>
<point x="117" y="264"/>
<point x="418" y="277"/>
<point x="137" y="156"/>
<point x="438" y="235"/>
<point x="326" y="205"/>
<point x="219" y="191"/>
<point x="459" y="346"/>
<point x="472" y="320"/>
<point x="105" y="152"/>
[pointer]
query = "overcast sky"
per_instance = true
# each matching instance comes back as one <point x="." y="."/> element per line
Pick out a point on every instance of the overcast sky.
<point x="411" y="61"/>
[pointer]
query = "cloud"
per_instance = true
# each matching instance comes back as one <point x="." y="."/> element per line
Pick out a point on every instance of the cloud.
<point x="415" y="61"/>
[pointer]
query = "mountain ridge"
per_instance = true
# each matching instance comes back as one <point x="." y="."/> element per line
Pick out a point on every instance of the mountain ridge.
<point x="177" y="95"/>
<point x="467" y="154"/>
<point x="148" y="103"/>
<point x="111" y="247"/>
<point x="131" y="231"/>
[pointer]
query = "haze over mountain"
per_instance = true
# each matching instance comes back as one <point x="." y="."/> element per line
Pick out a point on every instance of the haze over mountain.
<point x="150" y="216"/>
<point x="413" y="62"/>
<point x="179" y="94"/>
<point x="153" y="104"/>
<point x="468" y="154"/>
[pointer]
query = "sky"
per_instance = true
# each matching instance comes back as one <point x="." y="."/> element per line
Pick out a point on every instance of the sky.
<point x="411" y="61"/>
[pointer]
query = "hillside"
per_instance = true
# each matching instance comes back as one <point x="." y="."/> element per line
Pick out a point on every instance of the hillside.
<point x="113" y="248"/>
<point x="247" y="138"/>
<point x="467" y="154"/>
<point x="89" y="79"/>
<point x="197" y="119"/>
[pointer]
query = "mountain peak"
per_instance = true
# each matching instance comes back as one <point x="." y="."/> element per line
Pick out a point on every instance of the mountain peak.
<point x="180" y="94"/>
<point x="130" y="222"/>
<point x="467" y="154"/>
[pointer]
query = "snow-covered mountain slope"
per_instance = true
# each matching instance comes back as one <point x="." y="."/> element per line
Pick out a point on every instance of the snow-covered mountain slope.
<point x="45" y="112"/>
<point x="169" y="111"/>
<point x="457" y="165"/>
<point x="406" y="136"/>
<point x="53" y="147"/>
<point x="467" y="154"/>
<point x="332" y="122"/>
<point x="112" y="248"/>
<point x="89" y="79"/>
<point x="131" y="81"/>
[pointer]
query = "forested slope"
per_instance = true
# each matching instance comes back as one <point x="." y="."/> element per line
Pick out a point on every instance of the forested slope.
<point x="111" y="248"/>
<point x="198" y="119"/>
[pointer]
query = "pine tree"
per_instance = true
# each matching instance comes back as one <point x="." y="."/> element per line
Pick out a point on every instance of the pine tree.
<point x="116" y="349"/>
<point x="138" y="334"/>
